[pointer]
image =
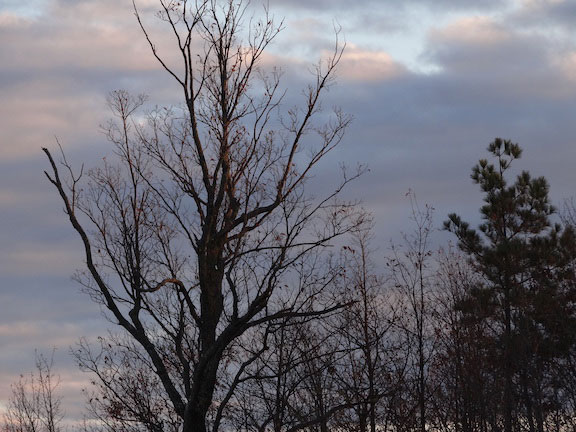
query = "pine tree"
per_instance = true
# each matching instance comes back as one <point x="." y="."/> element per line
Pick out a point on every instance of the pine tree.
<point x="527" y="265"/>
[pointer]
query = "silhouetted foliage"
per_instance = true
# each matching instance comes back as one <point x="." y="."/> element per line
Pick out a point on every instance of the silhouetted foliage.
<point x="200" y="237"/>
<point x="35" y="405"/>
<point x="528" y="292"/>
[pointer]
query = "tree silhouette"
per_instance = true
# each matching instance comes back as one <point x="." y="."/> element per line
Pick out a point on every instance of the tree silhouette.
<point x="201" y="233"/>
<point x="527" y="265"/>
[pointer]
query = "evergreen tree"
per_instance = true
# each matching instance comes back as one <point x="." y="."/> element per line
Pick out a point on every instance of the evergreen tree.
<point x="526" y="263"/>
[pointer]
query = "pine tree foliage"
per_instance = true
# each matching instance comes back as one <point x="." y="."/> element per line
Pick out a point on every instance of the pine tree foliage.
<point x="527" y="264"/>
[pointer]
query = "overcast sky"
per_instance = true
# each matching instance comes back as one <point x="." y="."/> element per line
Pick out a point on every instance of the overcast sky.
<point x="429" y="82"/>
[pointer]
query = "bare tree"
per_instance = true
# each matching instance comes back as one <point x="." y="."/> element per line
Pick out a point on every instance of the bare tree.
<point x="194" y="239"/>
<point x="125" y="396"/>
<point x="290" y="388"/>
<point x="464" y="362"/>
<point x="34" y="405"/>
<point x="369" y="341"/>
<point x="411" y="272"/>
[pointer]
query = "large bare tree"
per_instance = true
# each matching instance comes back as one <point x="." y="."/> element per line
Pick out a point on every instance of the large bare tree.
<point x="200" y="233"/>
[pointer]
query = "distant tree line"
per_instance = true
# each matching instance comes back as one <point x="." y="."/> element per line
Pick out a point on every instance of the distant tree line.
<point x="245" y="303"/>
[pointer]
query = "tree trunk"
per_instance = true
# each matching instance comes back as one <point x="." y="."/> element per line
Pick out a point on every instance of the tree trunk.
<point x="195" y="421"/>
<point x="507" y="362"/>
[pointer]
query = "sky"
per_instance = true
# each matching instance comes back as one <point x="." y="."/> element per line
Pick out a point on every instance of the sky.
<point x="429" y="83"/>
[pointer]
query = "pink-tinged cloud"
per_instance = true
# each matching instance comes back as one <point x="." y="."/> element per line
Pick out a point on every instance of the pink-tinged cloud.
<point x="46" y="334"/>
<point x="34" y="112"/>
<point x="473" y="30"/>
<point x="40" y="259"/>
<point x="566" y="63"/>
<point x="10" y="20"/>
<point x="77" y="35"/>
<point x="58" y="68"/>
<point x="359" y="64"/>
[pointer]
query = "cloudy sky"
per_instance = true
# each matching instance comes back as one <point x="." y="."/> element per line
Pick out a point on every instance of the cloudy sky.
<point x="429" y="82"/>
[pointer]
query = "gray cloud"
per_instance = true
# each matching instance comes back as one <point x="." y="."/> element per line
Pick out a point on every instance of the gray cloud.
<point x="377" y="5"/>
<point x="544" y="14"/>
